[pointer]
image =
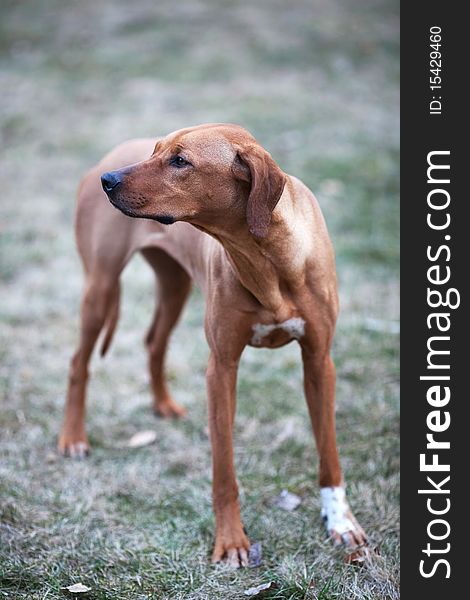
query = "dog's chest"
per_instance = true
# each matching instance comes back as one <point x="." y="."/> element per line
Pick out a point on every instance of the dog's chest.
<point x="273" y="335"/>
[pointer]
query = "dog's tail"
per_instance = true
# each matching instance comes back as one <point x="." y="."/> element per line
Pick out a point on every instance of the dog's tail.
<point x="111" y="321"/>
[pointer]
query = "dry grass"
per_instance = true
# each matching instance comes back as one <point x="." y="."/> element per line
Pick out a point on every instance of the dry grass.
<point x="317" y="84"/>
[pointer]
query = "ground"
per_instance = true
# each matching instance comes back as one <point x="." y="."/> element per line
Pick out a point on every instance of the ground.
<point x="317" y="83"/>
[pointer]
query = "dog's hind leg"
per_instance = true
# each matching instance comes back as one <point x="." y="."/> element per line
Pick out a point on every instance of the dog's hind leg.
<point x="173" y="287"/>
<point x="100" y="302"/>
<point x="104" y="254"/>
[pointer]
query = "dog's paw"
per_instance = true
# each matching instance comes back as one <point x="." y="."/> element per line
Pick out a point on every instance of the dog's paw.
<point x="232" y="557"/>
<point x="73" y="446"/>
<point x="341" y="524"/>
<point x="168" y="408"/>
<point x="232" y="548"/>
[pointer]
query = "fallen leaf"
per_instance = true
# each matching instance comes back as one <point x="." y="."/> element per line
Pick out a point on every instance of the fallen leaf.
<point x="287" y="501"/>
<point x="77" y="588"/>
<point x="255" y="555"/>
<point x="358" y="557"/>
<point x="256" y="591"/>
<point x="250" y="429"/>
<point x="142" y="438"/>
<point x="51" y="457"/>
<point x="288" y="430"/>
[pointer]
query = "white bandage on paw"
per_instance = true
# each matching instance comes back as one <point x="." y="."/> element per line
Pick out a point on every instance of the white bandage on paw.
<point x="335" y="510"/>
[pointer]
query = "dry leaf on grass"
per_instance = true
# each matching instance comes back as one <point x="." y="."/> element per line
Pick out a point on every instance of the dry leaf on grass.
<point x="77" y="588"/>
<point x="259" y="589"/>
<point x="288" y="430"/>
<point x="287" y="501"/>
<point x="51" y="457"/>
<point x="255" y="555"/>
<point x="142" y="438"/>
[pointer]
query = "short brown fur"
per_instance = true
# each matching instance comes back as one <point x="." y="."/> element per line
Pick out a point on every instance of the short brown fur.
<point x="254" y="239"/>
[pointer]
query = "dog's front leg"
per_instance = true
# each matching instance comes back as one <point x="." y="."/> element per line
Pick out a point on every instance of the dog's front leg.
<point x="319" y="383"/>
<point x="231" y="543"/>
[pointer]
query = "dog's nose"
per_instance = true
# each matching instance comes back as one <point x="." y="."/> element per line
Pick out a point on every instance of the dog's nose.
<point x="110" y="180"/>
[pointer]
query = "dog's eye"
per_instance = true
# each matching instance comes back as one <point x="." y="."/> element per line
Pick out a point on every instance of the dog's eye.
<point x="179" y="161"/>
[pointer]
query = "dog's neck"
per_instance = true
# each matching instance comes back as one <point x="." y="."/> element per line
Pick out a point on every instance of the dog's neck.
<point x="271" y="268"/>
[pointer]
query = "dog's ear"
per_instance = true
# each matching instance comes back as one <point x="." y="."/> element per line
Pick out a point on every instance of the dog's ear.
<point x="255" y="166"/>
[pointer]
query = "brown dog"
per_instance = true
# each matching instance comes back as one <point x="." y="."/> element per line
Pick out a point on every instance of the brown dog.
<point x="254" y="239"/>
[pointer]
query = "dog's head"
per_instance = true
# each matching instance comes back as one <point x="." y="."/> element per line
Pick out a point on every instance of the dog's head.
<point x="210" y="175"/>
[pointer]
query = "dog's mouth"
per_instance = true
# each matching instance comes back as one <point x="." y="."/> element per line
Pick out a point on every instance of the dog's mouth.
<point x="165" y="219"/>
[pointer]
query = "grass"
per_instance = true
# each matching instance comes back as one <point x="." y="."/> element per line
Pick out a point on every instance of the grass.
<point x="317" y="84"/>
